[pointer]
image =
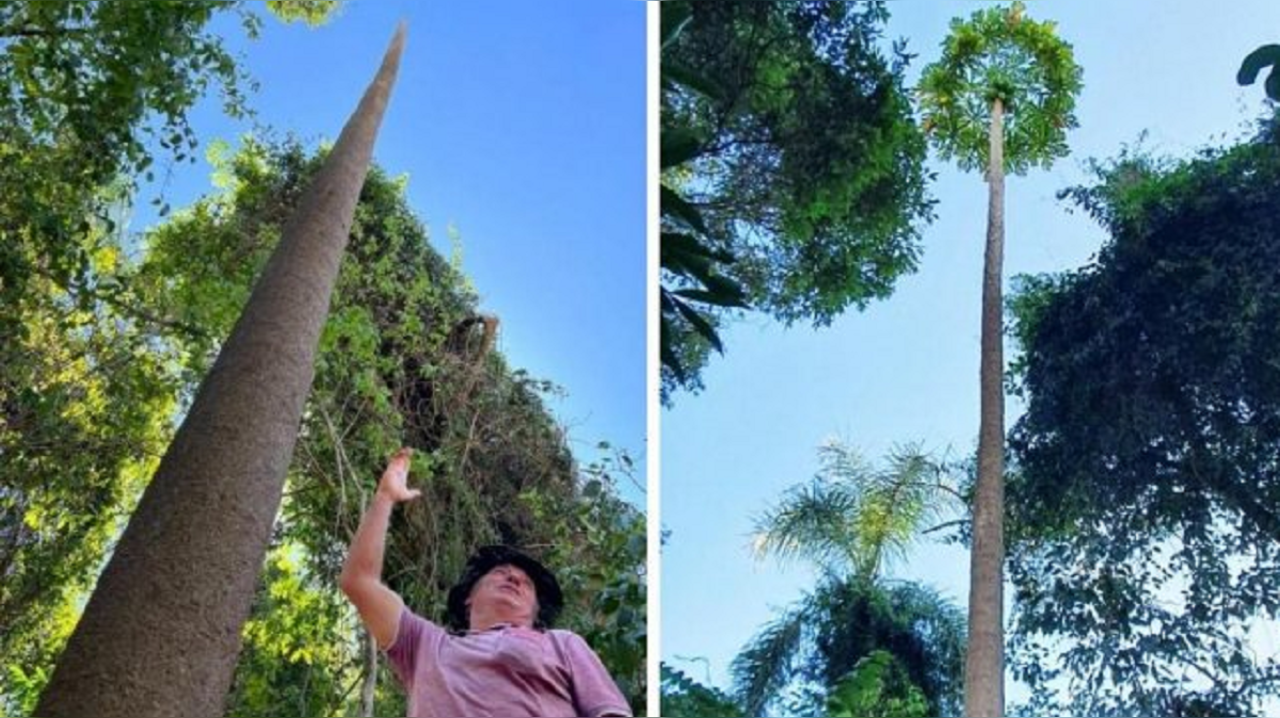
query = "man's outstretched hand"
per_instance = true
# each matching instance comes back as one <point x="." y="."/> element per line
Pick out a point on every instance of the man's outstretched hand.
<point x="394" y="484"/>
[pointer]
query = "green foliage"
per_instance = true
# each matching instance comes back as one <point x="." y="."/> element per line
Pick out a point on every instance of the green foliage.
<point x="84" y="409"/>
<point x="851" y="517"/>
<point x="1000" y="54"/>
<point x="791" y="165"/>
<point x="598" y="549"/>
<point x="404" y="360"/>
<point x="799" y="659"/>
<point x="847" y="521"/>
<point x="683" y="697"/>
<point x="686" y="251"/>
<point x="1146" y="460"/>
<point x="1264" y="56"/>
<point x="88" y="92"/>
<point x="696" y="268"/>
<point x="877" y="688"/>
<point x="297" y="654"/>
<point x="311" y="12"/>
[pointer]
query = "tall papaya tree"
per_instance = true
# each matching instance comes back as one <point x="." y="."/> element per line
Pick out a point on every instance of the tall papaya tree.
<point x="1000" y="98"/>
<point x="161" y="631"/>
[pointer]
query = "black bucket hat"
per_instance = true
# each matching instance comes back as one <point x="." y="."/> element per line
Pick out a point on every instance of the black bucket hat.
<point x="487" y="558"/>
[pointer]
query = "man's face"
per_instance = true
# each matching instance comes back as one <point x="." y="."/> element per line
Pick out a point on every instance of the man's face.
<point x="507" y="592"/>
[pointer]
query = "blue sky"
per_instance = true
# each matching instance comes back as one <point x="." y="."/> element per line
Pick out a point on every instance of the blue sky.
<point x="907" y="368"/>
<point x="521" y="125"/>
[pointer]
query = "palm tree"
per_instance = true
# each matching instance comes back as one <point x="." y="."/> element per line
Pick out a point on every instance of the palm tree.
<point x="161" y="632"/>
<point x="1000" y="98"/>
<point x="850" y="521"/>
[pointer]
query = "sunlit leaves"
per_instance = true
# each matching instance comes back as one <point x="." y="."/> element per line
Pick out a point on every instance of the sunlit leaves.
<point x="854" y="517"/>
<point x="95" y="93"/>
<point x="1000" y="53"/>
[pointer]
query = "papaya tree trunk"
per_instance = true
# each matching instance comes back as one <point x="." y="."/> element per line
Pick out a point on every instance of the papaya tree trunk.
<point x="161" y="632"/>
<point x="984" y="662"/>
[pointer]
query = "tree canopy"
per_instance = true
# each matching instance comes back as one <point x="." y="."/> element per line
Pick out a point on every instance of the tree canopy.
<point x="788" y="135"/>
<point x="998" y="53"/>
<point x="1147" y="542"/>
<point x="91" y="94"/>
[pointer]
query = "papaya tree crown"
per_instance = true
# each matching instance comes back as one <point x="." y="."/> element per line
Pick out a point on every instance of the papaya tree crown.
<point x="1000" y="54"/>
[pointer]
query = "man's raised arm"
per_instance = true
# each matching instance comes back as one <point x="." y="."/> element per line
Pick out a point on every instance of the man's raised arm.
<point x="361" y="578"/>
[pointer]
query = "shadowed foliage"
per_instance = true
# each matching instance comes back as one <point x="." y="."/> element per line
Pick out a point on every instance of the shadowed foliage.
<point x="1147" y="457"/>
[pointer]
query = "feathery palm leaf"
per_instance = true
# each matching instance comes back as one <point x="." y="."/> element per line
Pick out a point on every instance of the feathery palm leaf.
<point x="851" y="518"/>
<point x="763" y="669"/>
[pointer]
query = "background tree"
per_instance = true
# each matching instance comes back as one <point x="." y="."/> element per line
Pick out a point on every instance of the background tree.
<point x="1152" y="431"/>
<point x="850" y="521"/>
<point x="206" y="516"/>
<point x="90" y="89"/>
<point x="1000" y="99"/>
<point x="792" y="168"/>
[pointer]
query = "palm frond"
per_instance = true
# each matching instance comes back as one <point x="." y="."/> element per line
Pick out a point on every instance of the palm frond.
<point x="767" y="664"/>
<point x="899" y="502"/>
<point x="812" y="523"/>
<point x="851" y="518"/>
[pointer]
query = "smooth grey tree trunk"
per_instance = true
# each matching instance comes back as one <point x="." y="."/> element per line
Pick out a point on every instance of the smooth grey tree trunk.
<point x="984" y="661"/>
<point x="161" y="633"/>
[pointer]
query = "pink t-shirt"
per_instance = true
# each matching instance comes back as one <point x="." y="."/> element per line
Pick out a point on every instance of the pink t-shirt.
<point x="505" y="671"/>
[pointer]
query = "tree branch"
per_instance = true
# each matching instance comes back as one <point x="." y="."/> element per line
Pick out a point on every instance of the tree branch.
<point x="41" y="32"/>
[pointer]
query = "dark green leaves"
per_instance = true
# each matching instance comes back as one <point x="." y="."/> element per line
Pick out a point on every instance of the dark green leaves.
<point x="1148" y="451"/>
<point x="1255" y="62"/>
<point x="683" y="697"/>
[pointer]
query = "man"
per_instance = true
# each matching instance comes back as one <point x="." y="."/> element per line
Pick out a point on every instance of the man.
<point x="502" y="659"/>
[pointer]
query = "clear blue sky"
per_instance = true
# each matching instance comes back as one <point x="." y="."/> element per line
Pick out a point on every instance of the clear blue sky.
<point x="907" y="368"/>
<point x="520" y="124"/>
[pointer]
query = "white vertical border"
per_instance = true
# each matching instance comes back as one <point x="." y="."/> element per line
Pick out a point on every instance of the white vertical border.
<point x="653" y="647"/>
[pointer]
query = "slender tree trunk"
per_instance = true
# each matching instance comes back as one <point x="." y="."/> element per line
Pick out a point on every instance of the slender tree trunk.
<point x="984" y="662"/>
<point x="161" y="632"/>
<point x="370" y="687"/>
